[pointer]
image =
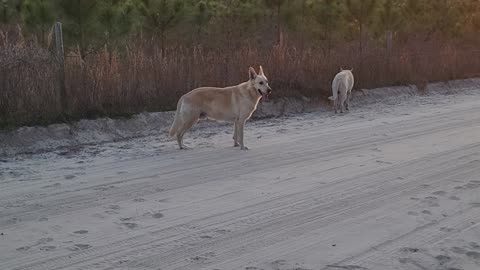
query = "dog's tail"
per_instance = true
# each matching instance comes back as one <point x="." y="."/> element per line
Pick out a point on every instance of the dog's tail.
<point x="335" y="88"/>
<point x="334" y="92"/>
<point x="176" y="121"/>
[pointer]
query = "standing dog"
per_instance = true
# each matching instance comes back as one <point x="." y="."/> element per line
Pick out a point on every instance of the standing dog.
<point x="342" y="89"/>
<point x="234" y="103"/>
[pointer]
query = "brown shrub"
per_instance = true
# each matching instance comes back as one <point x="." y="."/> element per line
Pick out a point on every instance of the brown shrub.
<point x="139" y="79"/>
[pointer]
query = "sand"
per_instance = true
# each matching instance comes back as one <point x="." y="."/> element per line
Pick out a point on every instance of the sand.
<point x="393" y="184"/>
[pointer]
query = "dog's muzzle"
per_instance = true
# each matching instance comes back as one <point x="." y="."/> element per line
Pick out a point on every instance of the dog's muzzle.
<point x="265" y="97"/>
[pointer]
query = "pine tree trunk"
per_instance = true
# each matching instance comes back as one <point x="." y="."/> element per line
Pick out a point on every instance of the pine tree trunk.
<point x="279" y="31"/>
<point x="162" y="43"/>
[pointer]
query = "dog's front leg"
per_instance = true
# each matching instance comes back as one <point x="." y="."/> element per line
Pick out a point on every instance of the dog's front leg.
<point x="240" y="125"/>
<point x="235" y="134"/>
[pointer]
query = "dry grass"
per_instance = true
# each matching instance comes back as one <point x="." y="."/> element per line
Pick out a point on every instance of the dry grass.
<point x="139" y="79"/>
<point x="28" y="85"/>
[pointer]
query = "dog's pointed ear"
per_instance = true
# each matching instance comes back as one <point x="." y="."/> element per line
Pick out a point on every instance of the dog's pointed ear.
<point x="252" y="73"/>
<point x="261" y="71"/>
<point x="341" y="68"/>
<point x="351" y="70"/>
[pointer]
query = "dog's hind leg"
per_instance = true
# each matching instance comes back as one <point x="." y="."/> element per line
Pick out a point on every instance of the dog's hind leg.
<point x="180" y="142"/>
<point x="342" y="106"/>
<point x="235" y="135"/>
<point x="186" y="126"/>
<point x="342" y="98"/>
<point x="349" y="94"/>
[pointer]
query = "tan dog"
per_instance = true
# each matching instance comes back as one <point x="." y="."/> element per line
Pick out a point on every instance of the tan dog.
<point x="234" y="103"/>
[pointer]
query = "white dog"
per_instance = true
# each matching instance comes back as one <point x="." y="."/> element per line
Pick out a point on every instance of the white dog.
<point x="342" y="90"/>
<point x="234" y="103"/>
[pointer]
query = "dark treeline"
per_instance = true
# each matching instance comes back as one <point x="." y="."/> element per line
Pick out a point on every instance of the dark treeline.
<point x="92" y="24"/>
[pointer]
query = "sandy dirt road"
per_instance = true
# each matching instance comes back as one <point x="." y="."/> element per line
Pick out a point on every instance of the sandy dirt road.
<point x="386" y="186"/>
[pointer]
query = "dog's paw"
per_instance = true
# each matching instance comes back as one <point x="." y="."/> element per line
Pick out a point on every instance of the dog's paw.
<point x="244" y="148"/>
<point x="236" y="145"/>
<point x="184" y="147"/>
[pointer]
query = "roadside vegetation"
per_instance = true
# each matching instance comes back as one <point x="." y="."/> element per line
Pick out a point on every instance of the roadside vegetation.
<point x="127" y="56"/>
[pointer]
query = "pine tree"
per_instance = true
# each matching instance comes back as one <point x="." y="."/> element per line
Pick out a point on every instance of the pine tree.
<point x="235" y="20"/>
<point x="80" y="24"/>
<point x="116" y="20"/>
<point x="328" y="15"/>
<point x="38" y="17"/>
<point x="389" y="21"/>
<point x="470" y="15"/>
<point x="390" y="16"/>
<point x="276" y="7"/>
<point x="361" y="13"/>
<point x="415" y="14"/>
<point x="203" y="13"/>
<point x="161" y="16"/>
<point x="445" y="17"/>
<point x="7" y="11"/>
